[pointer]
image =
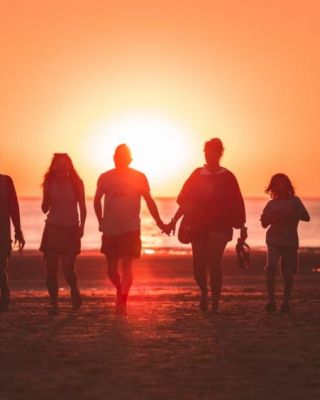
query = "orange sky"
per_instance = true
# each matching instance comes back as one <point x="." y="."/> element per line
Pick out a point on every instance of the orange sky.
<point x="246" y="71"/>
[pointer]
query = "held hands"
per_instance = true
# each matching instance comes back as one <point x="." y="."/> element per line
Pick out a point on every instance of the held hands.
<point x="163" y="227"/>
<point x="167" y="228"/>
<point x="171" y="227"/>
<point x="19" y="241"/>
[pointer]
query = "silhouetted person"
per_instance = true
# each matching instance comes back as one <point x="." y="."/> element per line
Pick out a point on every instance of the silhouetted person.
<point x="9" y="210"/>
<point x="282" y="215"/>
<point x="122" y="189"/>
<point x="63" y="193"/>
<point x="212" y="202"/>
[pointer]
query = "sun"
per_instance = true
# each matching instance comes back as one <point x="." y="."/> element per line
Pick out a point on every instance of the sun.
<point x="159" y="146"/>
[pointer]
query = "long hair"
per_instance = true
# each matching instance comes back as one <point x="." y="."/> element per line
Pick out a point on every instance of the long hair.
<point x="73" y="175"/>
<point x="272" y="187"/>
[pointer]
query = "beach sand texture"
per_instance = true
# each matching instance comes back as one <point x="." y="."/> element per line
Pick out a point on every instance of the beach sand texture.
<point x="166" y="348"/>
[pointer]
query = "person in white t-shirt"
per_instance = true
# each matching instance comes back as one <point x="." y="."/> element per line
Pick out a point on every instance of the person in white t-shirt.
<point x="119" y="221"/>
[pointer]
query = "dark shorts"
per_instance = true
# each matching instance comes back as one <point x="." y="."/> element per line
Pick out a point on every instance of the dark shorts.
<point x="124" y="245"/>
<point x="288" y="257"/>
<point x="62" y="240"/>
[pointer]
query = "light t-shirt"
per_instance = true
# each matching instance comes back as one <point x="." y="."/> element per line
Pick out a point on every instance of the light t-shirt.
<point x="122" y="190"/>
<point x="284" y="215"/>
<point x="63" y="204"/>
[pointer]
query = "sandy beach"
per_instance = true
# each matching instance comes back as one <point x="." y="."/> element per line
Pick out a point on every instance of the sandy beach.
<point x="166" y="348"/>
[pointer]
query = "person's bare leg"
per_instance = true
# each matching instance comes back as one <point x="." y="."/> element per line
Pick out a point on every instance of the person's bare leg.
<point x="5" y="294"/>
<point x="215" y="282"/>
<point x="288" y="267"/>
<point x="199" y="257"/>
<point x="217" y="244"/>
<point x="273" y="257"/>
<point x="112" y="265"/>
<point x="52" y="261"/>
<point x="271" y="288"/>
<point x="127" y="275"/>
<point x="288" y="285"/>
<point x="271" y="283"/>
<point x="127" y="279"/>
<point x="68" y="265"/>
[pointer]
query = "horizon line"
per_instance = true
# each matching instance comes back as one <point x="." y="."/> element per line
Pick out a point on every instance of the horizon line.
<point x="249" y="197"/>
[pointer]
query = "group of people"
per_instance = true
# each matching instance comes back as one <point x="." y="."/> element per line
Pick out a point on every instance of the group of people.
<point x="210" y="203"/>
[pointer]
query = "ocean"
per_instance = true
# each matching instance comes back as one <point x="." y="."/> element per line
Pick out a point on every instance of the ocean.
<point x="156" y="242"/>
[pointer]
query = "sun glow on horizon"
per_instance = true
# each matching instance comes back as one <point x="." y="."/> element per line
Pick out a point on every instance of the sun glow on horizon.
<point x="159" y="147"/>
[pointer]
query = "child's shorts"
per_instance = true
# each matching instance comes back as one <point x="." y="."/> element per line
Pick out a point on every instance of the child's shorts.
<point x="288" y="256"/>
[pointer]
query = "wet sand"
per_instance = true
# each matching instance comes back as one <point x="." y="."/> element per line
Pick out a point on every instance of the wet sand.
<point x="166" y="348"/>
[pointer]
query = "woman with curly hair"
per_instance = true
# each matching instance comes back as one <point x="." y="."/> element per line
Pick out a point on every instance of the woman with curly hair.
<point x="63" y="198"/>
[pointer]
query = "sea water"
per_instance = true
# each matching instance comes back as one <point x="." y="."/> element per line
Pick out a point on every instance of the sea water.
<point x="153" y="240"/>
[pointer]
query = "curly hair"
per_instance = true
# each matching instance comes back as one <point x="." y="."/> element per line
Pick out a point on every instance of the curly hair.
<point x="272" y="187"/>
<point x="74" y="177"/>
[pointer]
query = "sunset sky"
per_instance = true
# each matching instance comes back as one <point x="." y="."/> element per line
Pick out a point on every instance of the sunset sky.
<point x="82" y="76"/>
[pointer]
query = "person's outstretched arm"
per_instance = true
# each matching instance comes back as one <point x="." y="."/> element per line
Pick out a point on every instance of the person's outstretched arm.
<point x="179" y="213"/>
<point x="14" y="213"/>
<point x="82" y="208"/>
<point x="153" y="209"/>
<point x="184" y="201"/>
<point x="97" y="202"/>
